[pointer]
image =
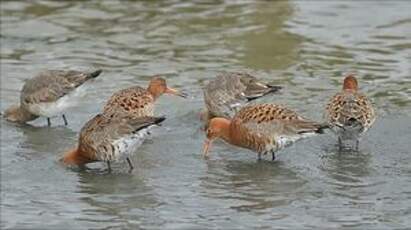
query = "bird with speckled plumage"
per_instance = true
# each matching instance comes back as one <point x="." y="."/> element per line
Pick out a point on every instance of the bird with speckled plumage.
<point x="136" y="101"/>
<point x="110" y="139"/>
<point x="349" y="112"/>
<point x="263" y="128"/>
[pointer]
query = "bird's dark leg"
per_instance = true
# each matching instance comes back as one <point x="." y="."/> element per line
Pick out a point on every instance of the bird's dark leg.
<point x="357" y="143"/>
<point x="48" y="122"/>
<point x="340" y="145"/>
<point x="108" y="166"/>
<point x="130" y="163"/>
<point x="273" y="155"/>
<point x="64" y="119"/>
<point x="259" y="156"/>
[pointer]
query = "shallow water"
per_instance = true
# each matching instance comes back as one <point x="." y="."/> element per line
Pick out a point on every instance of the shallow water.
<point x="304" y="46"/>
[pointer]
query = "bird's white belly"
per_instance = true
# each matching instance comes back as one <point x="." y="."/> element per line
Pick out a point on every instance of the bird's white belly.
<point x="285" y="141"/>
<point x="127" y="146"/>
<point x="52" y="109"/>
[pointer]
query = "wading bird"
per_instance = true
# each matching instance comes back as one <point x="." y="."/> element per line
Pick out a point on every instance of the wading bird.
<point x="263" y="128"/>
<point x="49" y="94"/>
<point x="350" y="113"/>
<point x="136" y="101"/>
<point x="230" y="91"/>
<point x="109" y="139"/>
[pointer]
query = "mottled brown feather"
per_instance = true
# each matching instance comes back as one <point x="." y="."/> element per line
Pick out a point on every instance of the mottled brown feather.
<point x="230" y="91"/>
<point x="262" y="128"/>
<point x="97" y="139"/>
<point x="136" y="101"/>
<point x="349" y="105"/>
<point x="131" y="102"/>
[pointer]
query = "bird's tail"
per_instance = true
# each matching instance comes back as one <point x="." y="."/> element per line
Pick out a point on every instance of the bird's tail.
<point x="259" y="90"/>
<point x="274" y="88"/>
<point x="353" y="122"/>
<point x="158" y="120"/>
<point x="321" y="127"/>
<point x="312" y="127"/>
<point x="145" y="122"/>
<point x="94" y="74"/>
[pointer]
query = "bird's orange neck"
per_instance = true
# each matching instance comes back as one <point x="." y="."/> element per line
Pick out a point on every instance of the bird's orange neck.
<point x="350" y="83"/>
<point x="218" y="127"/>
<point x="75" y="157"/>
<point x="155" y="91"/>
<point x="221" y="128"/>
<point x="225" y="131"/>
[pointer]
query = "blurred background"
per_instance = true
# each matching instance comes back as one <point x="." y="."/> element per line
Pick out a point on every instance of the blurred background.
<point x="305" y="46"/>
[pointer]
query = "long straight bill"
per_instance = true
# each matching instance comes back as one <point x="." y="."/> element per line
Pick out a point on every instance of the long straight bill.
<point x="207" y="145"/>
